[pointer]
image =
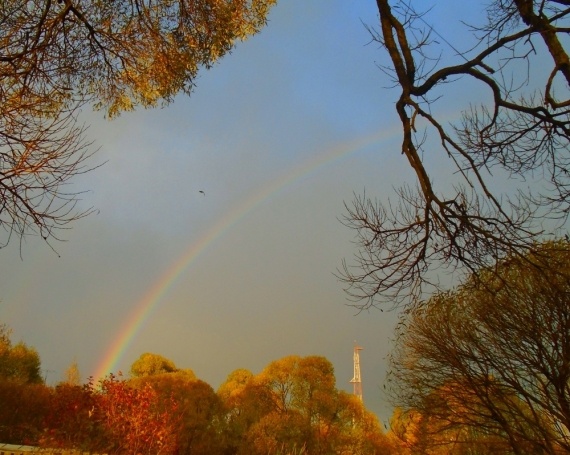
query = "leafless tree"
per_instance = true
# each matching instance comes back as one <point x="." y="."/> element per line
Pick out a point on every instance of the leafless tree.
<point x="518" y="57"/>
<point x="494" y="354"/>
<point x="56" y="56"/>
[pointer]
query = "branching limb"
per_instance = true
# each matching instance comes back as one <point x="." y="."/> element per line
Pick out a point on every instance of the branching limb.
<point x="523" y="132"/>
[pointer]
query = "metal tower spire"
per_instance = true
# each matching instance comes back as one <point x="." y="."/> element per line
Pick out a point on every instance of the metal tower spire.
<point x="357" y="380"/>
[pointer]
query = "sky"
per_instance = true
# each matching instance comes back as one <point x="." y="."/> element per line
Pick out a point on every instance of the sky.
<point x="278" y="136"/>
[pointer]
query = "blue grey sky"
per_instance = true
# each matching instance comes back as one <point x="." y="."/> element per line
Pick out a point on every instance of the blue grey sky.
<point x="305" y="87"/>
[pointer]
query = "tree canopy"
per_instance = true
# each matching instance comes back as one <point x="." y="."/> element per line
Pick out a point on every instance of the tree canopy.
<point x="514" y="57"/>
<point x="18" y="362"/>
<point x="492" y="355"/>
<point x="293" y="406"/>
<point x="149" y="364"/>
<point x="57" y="56"/>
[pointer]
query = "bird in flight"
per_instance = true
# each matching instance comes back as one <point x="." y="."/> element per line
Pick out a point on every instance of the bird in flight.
<point x="204" y="194"/>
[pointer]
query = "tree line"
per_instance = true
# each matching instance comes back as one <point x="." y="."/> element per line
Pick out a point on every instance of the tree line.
<point x="293" y="406"/>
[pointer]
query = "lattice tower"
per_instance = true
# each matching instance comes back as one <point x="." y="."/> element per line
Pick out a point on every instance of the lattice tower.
<point x="357" y="379"/>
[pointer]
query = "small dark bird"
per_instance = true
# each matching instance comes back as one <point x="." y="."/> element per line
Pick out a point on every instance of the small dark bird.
<point x="204" y="194"/>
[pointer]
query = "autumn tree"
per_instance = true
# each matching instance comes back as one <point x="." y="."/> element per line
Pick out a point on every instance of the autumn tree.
<point x="200" y="418"/>
<point x="149" y="364"/>
<point x="75" y="420"/>
<point x="293" y="406"/>
<point x="289" y="424"/>
<point x="114" y="415"/>
<point x="72" y="376"/>
<point x="354" y="430"/>
<point x="245" y="400"/>
<point x="23" y="411"/>
<point x="197" y="413"/>
<point x="136" y="419"/>
<point x="407" y="431"/>
<point x="493" y="355"/>
<point x="18" y="362"/>
<point x="416" y="432"/>
<point x="514" y="57"/>
<point x="58" y="56"/>
<point x="23" y="396"/>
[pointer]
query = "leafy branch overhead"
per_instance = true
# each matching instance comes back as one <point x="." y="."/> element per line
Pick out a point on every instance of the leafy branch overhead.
<point x="57" y="56"/>
<point x="518" y="62"/>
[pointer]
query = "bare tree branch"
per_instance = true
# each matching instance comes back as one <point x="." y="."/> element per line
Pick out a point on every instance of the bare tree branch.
<point x="522" y="133"/>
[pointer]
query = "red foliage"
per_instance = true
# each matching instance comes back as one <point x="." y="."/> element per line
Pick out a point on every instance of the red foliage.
<point x="112" y="417"/>
<point x="137" y="420"/>
<point x="74" y="419"/>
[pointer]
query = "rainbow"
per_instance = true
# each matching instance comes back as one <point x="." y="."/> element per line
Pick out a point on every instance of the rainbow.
<point x="149" y="302"/>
